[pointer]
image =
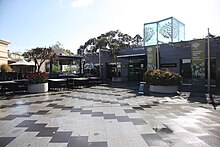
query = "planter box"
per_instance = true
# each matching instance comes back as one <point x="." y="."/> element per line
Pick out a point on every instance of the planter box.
<point x="38" y="88"/>
<point x="163" y="89"/>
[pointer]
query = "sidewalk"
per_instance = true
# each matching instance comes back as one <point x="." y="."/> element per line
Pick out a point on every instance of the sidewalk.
<point x="107" y="115"/>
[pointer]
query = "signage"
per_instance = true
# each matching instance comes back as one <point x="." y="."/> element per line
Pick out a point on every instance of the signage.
<point x="151" y="57"/>
<point x="142" y="88"/>
<point x="198" y="59"/>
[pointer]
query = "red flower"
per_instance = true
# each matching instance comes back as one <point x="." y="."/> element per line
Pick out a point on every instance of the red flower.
<point x="37" y="77"/>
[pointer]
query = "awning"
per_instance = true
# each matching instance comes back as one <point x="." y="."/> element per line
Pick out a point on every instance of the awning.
<point x="131" y="55"/>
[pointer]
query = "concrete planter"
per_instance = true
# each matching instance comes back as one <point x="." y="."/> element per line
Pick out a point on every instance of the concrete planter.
<point x="38" y="88"/>
<point x="163" y="89"/>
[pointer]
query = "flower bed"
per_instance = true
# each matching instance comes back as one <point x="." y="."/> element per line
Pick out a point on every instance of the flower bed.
<point x="162" y="77"/>
<point x="37" y="77"/>
<point x="162" y="81"/>
<point x="38" y="82"/>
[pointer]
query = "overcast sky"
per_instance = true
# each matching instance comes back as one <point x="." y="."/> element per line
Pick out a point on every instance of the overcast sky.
<point x="38" y="23"/>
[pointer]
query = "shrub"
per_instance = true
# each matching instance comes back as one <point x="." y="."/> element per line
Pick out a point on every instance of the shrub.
<point x="37" y="77"/>
<point x="5" y="68"/>
<point x="163" y="77"/>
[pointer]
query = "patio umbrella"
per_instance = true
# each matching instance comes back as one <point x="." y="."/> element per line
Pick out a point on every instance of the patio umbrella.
<point x="23" y="64"/>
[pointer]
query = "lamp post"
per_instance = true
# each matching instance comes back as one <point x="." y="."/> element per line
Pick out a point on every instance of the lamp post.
<point x="158" y="56"/>
<point x="209" y="62"/>
<point x="209" y="74"/>
<point x="100" y="69"/>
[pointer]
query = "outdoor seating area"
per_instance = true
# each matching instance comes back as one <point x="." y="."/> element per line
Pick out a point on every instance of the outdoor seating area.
<point x="13" y="84"/>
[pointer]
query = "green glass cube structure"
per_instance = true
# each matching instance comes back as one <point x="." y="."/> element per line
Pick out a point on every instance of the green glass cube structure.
<point x="164" y="31"/>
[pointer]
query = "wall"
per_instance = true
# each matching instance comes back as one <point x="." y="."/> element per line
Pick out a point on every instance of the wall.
<point x="4" y="52"/>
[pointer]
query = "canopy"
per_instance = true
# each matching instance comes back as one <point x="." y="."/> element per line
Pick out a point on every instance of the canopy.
<point x="23" y="63"/>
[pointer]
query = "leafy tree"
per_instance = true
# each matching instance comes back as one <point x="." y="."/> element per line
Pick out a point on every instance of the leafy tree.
<point x="59" y="49"/>
<point x="40" y="55"/>
<point x="137" y="41"/>
<point x="5" y="68"/>
<point x="103" y="41"/>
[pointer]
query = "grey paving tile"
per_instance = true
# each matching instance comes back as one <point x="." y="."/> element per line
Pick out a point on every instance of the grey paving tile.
<point x="98" y="144"/>
<point x="123" y="119"/>
<point x="51" y="105"/>
<point x="26" y="123"/>
<point x="137" y="108"/>
<point x="76" y="110"/>
<point x="38" y="102"/>
<point x="47" y="132"/>
<point x="4" y="106"/>
<point x="61" y="137"/>
<point x="153" y="140"/>
<point x="105" y="101"/>
<point x="145" y="106"/>
<point x="109" y="116"/>
<point x="86" y="112"/>
<point x="36" y="127"/>
<point x="5" y="140"/>
<point x="59" y="106"/>
<point x="97" y="114"/>
<point x="138" y="121"/>
<point x="114" y="102"/>
<point x="67" y="108"/>
<point x="89" y="99"/>
<point x="124" y="104"/>
<point x="41" y="112"/>
<point x="129" y="111"/>
<point x="9" y="117"/>
<point x="120" y="98"/>
<point x="97" y="100"/>
<point x="78" y="141"/>
<point x="58" y="99"/>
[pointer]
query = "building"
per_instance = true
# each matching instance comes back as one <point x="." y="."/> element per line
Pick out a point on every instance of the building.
<point x="4" y="52"/>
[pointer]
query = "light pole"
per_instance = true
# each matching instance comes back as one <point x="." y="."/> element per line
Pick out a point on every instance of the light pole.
<point x="158" y="56"/>
<point x="100" y="69"/>
<point x="209" y="74"/>
<point x="209" y="62"/>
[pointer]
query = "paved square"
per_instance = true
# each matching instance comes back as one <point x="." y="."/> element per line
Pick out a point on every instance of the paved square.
<point x="106" y="116"/>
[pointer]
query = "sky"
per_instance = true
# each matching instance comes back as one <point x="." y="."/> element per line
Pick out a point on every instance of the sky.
<point x="27" y="24"/>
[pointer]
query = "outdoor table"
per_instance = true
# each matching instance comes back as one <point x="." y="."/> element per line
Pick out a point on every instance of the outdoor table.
<point x="80" y="81"/>
<point x="94" y="80"/>
<point x="7" y="85"/>
<point x="57" y="83"/>
<point x="21" y="84"/>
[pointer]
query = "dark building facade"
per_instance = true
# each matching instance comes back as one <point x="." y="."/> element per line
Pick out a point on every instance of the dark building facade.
<point x="132" y="62"/>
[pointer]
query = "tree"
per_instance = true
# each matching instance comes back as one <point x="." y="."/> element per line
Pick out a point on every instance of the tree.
<point x="59" y="49"/>
<point x="40" y="55"/>
<point x="137" y="41"/>
<point x="93" y="44"/>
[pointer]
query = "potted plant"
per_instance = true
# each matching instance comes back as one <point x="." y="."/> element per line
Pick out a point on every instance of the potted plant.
<point x="162" y="81"/>
<point x="37" y="82"/>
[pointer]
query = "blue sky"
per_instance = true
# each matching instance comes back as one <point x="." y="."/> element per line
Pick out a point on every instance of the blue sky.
<point x="37" y="23"/>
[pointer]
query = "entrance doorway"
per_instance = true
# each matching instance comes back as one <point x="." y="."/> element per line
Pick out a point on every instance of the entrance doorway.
<point x="136" y="68"/>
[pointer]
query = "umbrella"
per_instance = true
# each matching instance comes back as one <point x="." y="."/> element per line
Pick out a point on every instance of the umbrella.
<point x="23" y="63"/>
